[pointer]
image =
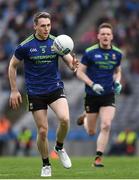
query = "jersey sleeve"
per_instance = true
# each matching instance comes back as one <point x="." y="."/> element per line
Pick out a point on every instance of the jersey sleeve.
<point x="85" y="59"/>
<point x="120" y="59"/>
<point x="20" y="52"/>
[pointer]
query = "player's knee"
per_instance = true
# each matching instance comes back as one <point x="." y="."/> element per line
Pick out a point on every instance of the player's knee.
<point x="106" y="126"/>
<point x="43" y="133"/>
<point x="64" y="122"/>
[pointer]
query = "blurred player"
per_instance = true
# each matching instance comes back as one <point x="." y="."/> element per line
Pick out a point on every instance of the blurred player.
<point x="101" y="72"/>
<point x="44" y="87"/>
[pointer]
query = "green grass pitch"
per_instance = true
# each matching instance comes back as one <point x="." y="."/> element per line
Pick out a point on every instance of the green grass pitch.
<point x="29" y="168"/>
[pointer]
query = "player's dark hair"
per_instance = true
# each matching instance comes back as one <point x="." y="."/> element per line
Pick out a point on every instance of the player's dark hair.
<point x="41" y="15"/>
<point x="105" y="25"/>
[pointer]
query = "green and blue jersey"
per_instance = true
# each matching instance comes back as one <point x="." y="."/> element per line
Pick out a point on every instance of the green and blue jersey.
<point x="101" y="64"/>
<point x="40" y="65"/>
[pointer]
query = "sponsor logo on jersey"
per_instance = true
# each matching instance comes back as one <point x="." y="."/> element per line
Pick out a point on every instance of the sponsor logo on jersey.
<point x="33" y="50"/>
<point x="98" y="56"/>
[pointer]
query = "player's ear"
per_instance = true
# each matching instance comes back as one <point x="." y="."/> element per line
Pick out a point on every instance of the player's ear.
<point x="34" y="26"/>
<point x="98" y="36"/>
<point x="112" y="37"/>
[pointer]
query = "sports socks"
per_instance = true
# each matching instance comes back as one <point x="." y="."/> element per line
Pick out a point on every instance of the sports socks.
<point x="99" y="153"/>
<point x="46" y="162"/>
<point x="59" y="146"/>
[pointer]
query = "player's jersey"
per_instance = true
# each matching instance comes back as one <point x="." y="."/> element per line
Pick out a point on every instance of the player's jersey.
<point x="40" y="65"/>
<point x="101" y="64"/>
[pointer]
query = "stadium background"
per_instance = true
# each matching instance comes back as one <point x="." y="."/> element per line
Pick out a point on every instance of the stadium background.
<point x="79" y="19"/>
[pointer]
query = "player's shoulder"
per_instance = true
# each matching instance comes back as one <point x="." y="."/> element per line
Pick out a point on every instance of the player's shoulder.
<point x="118" y="50"/>
<point x="27" y="40"/>
<point x="92" y="48"/>
<point x="52" y="37"/>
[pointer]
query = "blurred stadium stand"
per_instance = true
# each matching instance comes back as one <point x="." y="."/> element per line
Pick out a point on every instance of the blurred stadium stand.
<point x="78" y="19"/>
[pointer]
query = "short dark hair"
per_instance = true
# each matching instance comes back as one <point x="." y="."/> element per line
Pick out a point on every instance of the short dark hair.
<point x="105" y="25"/>
<point x="41" y="15"/>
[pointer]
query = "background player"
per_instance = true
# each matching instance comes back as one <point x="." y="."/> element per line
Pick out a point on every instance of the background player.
<point x="100" y="70"/>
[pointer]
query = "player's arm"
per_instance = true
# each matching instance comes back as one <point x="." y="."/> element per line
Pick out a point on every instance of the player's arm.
<point x="117" y="74"/>
<point x="117" y="79"/>
<point x="15" y="96"/>
<point x="81" y="74"/>
<point x="71" y="61"/>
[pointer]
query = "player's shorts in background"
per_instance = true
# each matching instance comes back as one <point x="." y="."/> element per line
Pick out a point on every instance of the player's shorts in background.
<point x="93" y="103"/>
<point x="38" y="102"/>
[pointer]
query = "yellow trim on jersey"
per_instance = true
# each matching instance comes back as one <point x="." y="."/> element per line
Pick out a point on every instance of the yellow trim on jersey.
<point x="27" y="40"/>
<point x="92" y="47"/>
<point x="116" y="49"/>
<point x="51" y="36"/>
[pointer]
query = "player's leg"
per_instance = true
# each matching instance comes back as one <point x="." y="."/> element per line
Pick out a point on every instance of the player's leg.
<point x="60" y="107"/>
<point x="91" y="109"/>
<point x="90" y="123"/>
<point x="89" y="117"/>
<point x="40" y="117"/>
<point x="106" y="115"/>
<point x="80" y="119"/>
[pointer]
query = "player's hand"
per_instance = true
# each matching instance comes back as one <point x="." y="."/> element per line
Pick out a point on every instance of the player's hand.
<point x="15" y="99"/>
<point x="117" y="87"/>
<point x="97" y="88"/>
<point x="75" y="63"/>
